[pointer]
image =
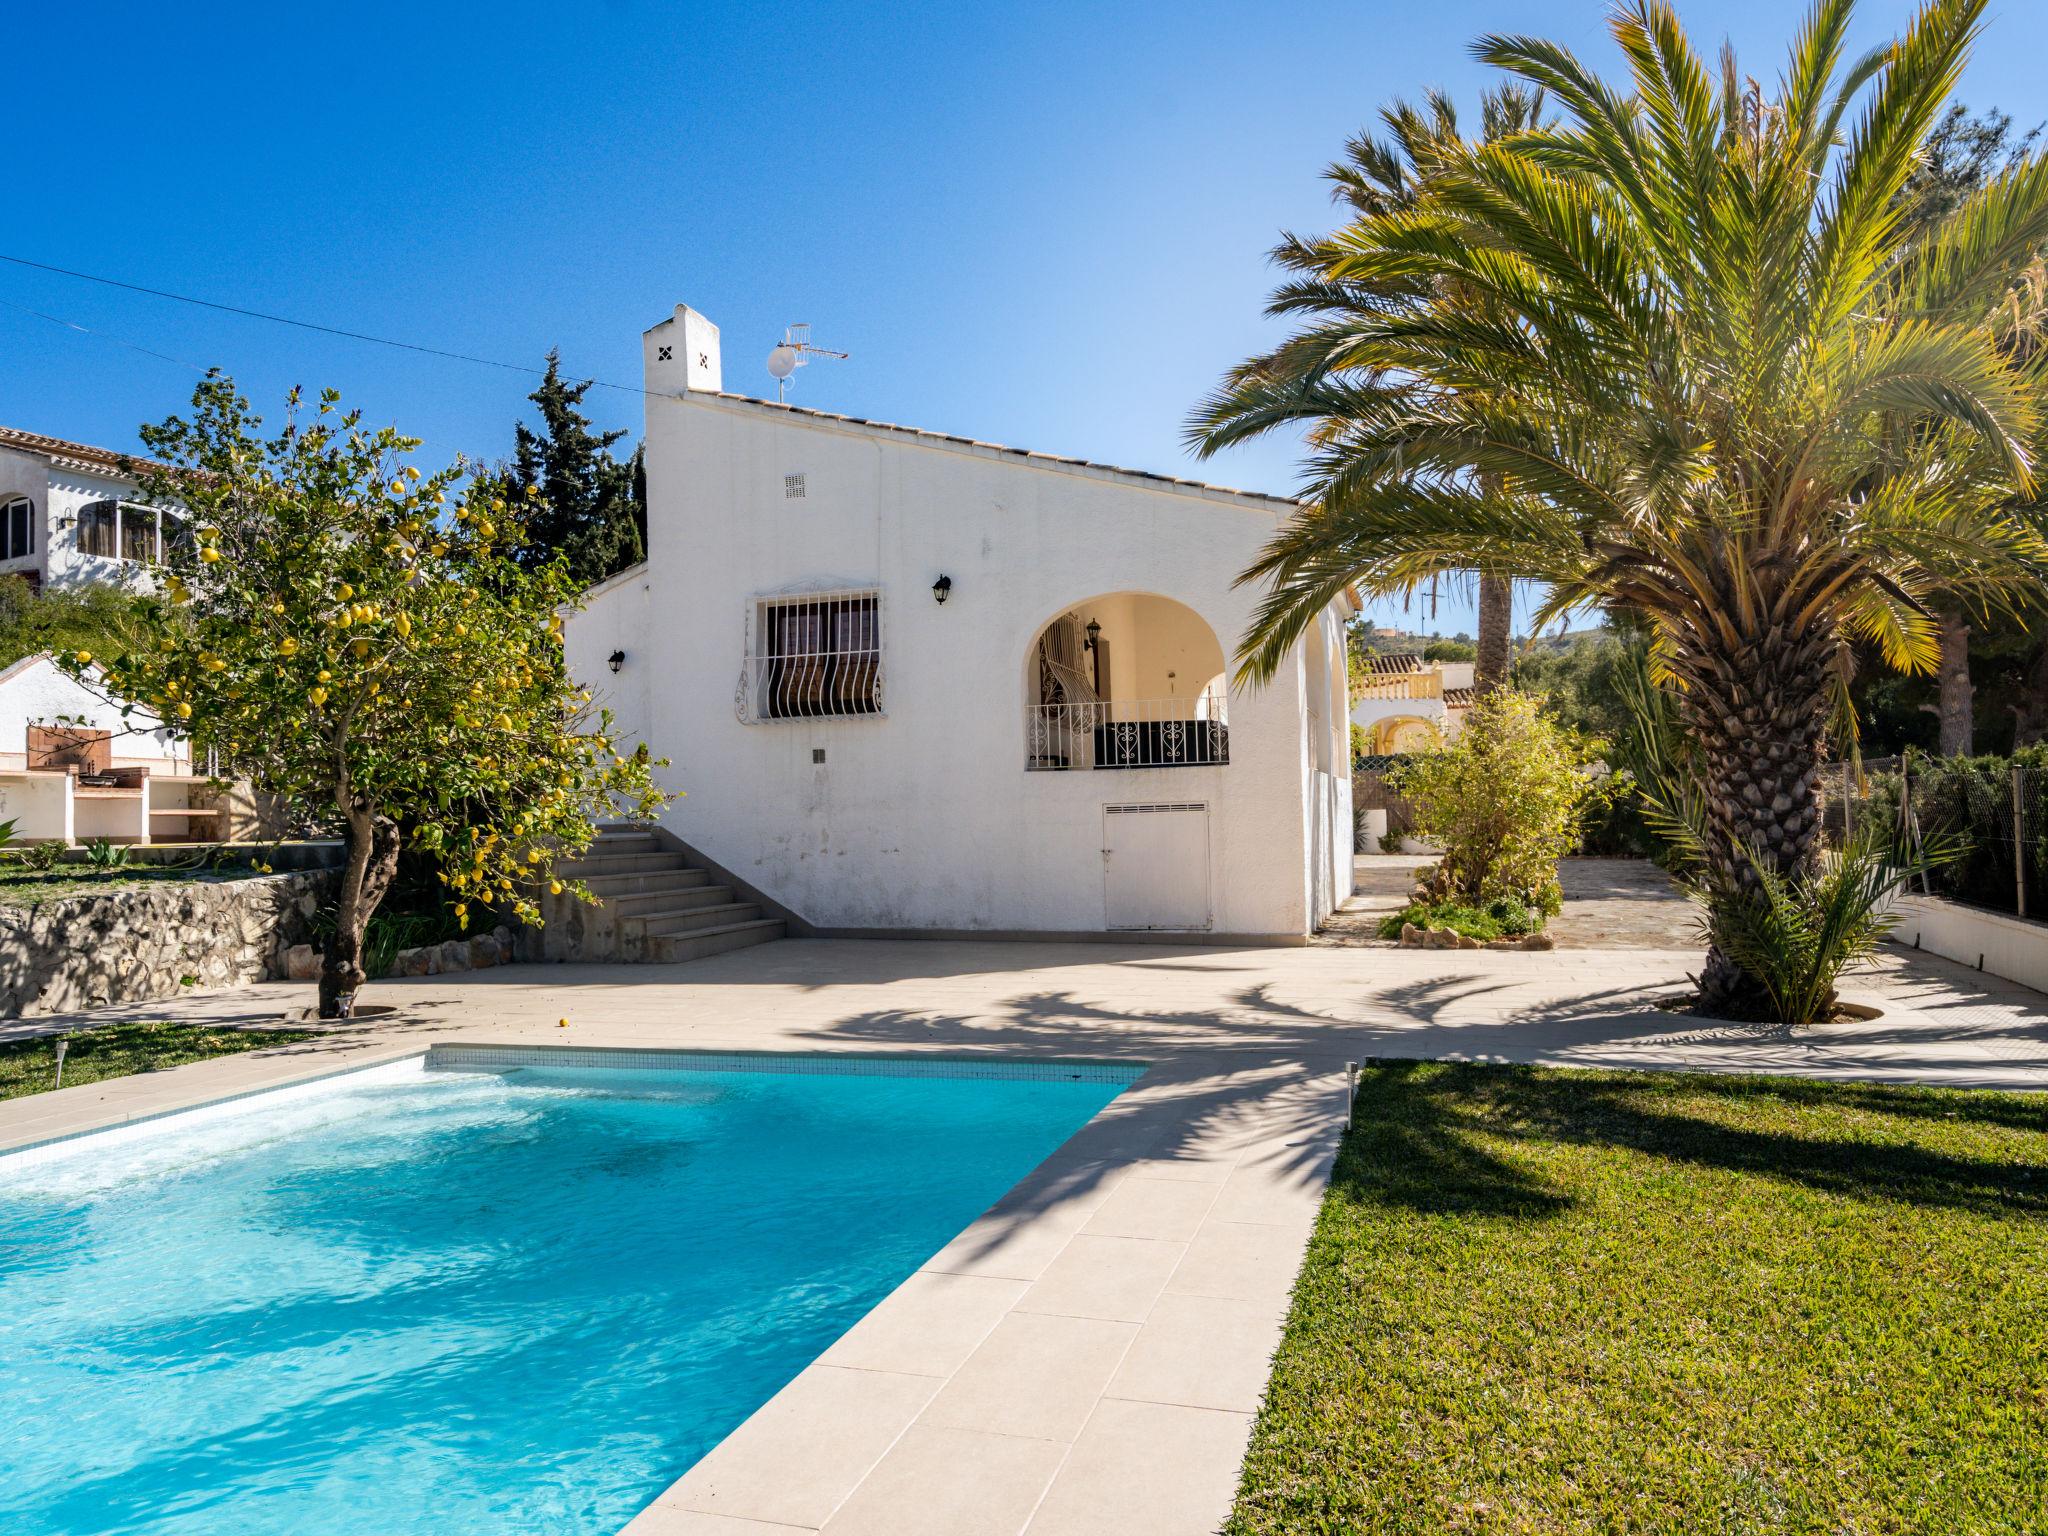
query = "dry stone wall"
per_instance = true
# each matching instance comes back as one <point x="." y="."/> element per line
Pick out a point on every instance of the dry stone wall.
<point x="142" y="944"/>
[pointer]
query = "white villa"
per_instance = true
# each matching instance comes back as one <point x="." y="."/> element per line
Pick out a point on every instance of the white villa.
<point x="71" y="769"/>
<point x="1405" y="704"/>
<point x="68" y="517"/>
<point x="913" y="683"/>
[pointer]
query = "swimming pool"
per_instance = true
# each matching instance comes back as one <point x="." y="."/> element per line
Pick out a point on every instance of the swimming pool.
<point x="419" y="1300"/>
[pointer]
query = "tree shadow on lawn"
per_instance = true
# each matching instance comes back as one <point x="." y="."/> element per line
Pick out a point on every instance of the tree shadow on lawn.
<point x="1422" y="1129"/>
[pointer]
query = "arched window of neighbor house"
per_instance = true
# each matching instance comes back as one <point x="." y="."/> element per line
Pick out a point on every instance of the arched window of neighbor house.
<point x="1125" y="680"/>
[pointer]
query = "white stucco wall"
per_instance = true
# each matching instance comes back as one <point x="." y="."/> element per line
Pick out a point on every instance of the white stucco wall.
<point x="58" y="492"/>
<point x="925" y="817"/>
<point x="35" y="692"/>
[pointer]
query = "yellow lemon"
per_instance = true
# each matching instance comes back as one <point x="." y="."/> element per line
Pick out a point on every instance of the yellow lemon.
<point x="85" y="658"/>
<point x="325" y="675"/>
<point x="403" y="625"/>
<point x="555" y="887"/>
<point x="344" y="591"/>
<point x="533" y="855"/>
<point x="318" y="696"/>
<point x="184" y="711"/>
<point x="209" y="555"/>
<point x="288" y="646"/>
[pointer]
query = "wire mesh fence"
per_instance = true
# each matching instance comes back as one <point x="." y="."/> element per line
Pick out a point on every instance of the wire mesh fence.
<point x="1988" y="817"/>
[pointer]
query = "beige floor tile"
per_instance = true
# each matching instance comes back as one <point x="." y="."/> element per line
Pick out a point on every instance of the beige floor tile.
<point x="806" y="1449"/>
<point x="1116" y="1278"/>
<point x="1147" y="1469"/>
<point x="662" y="1520"/>
<point x="1241" y="1261"/>
<point x="952" y="1482"/>
<point x="1202" y="1352"/>
<point x="1168" y="1209"/>
<point x="1283" y="1191"/>
<point x="927" y="1326"/>
<point x="1036" y="1375"/>
<point x="1026" y="1230"/>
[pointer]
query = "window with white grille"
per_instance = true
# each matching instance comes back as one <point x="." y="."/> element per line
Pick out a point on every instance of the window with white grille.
<point x="814" y="656"/>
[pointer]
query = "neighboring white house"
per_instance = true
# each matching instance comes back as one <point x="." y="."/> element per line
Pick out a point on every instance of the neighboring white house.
<point x="68" y="515"/>
<point x="72" y="769"/>
<point x="913" y="682"/>
<point x="1406" y="704"/>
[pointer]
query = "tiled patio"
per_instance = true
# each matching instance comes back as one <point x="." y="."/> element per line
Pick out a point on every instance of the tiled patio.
<point x="1088" y="1355"/>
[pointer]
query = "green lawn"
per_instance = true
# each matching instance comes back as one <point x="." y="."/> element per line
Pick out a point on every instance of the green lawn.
<point x="23" y="887"/>
<point x="1546" y="1301"/>
<point x="30" y="1066"/>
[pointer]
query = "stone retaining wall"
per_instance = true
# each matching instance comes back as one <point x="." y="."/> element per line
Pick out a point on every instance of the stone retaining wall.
<point x="142" y="944"/>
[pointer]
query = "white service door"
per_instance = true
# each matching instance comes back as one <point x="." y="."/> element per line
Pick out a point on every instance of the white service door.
<point x="1155" y="866"/>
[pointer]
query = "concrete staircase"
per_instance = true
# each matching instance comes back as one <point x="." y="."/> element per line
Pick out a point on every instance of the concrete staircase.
<point x="657" y="908"/>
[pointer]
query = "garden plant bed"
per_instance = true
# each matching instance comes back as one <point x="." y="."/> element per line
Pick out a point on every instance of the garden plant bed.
<point x="1689" y="1003"/>
<point x="1547" y="1301"/>
<point x="116" y="1050"/>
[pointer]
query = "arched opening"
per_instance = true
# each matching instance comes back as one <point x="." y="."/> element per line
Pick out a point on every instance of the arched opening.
<point x="1399" y="734"/>
<point x="1126" y="680"/>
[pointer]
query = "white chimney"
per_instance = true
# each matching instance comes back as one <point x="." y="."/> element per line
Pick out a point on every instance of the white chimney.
<point x="681" y="354"/>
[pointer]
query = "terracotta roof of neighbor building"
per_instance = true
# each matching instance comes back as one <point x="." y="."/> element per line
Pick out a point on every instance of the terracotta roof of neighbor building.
<point x="1394" y="663"/>
<point x="1460" y="698"/>
<point x="1022" y="453"/>
<point x="73" y="455"/>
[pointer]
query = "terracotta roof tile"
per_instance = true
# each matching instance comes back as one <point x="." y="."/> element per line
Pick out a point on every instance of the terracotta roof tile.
<point x="73" y="455"/>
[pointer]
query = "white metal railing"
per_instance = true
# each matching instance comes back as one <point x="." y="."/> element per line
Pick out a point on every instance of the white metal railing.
<point x="1406" y="685"/>
<point x="814" y="656"/>
<point x="1128" y="733"/>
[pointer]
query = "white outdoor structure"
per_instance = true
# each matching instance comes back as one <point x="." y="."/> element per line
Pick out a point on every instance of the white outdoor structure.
<point x="912" y="682"/>
<point x="147" y="791"/>
<point x="68" y="515"/>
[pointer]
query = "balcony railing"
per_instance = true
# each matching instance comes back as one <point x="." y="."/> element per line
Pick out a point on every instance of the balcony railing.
<point x="1136" y="733"/>
<point x="1403" y="685"/>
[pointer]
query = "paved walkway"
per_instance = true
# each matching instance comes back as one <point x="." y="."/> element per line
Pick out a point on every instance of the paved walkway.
<point x="1608" y="904"/>
<point x="1089" y="1354"/>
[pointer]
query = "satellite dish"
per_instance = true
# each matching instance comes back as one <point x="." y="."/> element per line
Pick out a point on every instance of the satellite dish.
<point x="796" y="350"/>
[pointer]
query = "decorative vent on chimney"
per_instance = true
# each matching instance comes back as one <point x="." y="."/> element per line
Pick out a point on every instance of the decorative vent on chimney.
<point x="792" y="487"/>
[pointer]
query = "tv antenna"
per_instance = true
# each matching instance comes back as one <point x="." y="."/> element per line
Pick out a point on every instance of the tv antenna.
<point x="796" y="351"/>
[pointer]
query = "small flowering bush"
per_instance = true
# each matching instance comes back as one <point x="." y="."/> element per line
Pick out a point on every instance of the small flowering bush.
<point x="353" y="635"/>
<point x="1505" y="801"/>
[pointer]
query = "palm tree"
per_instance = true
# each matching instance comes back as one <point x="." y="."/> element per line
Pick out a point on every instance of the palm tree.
<point x="1376" y="176"/>
<point x="1678" y="353"/>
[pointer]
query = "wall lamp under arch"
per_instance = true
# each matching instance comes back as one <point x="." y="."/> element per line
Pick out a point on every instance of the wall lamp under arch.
<point x="942" y="588"/>
<point x="1094" y="634"/>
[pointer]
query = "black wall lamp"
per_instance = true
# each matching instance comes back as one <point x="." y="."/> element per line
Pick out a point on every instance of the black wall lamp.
<point x="1094" y="634"/>
<point x="616" y="660"/>
<point x="942" y="588"/>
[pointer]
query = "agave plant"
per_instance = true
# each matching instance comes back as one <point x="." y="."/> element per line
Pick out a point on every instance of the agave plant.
<point x="1679" y="352"/>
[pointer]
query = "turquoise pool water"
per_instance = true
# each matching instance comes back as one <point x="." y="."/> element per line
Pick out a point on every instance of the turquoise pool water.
<point x="456" y="1302"/>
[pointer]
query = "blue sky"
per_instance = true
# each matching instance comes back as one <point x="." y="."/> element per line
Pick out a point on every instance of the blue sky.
<point x="1040" y="224"/>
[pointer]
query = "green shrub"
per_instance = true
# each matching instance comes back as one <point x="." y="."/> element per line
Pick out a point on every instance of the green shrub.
<point x="1513" y="917"/>
<point x="1505" y="801"/>
<point x="1472" y="922"/>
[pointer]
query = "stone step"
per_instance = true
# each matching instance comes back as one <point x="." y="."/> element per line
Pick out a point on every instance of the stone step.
<point x="599" y="863"/>
<point x="693" y="919"/>
<point x="674" y="899"/>
<point x="610" y="887"/>
<point x="621" y="840"/>
<point x="697" y="945"/>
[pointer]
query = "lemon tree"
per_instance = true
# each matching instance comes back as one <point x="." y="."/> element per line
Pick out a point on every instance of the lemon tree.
<point x="352" y="634"/>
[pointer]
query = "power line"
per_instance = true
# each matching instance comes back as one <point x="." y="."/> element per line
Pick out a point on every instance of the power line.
<point x="86" y="330"/>
<point x="304" y="325"/>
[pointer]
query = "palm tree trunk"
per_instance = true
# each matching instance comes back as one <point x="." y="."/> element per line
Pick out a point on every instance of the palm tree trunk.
<point x="1957" y="707"/>
<point x="1757" y="714"/>
<point x="1496" y="623"/>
